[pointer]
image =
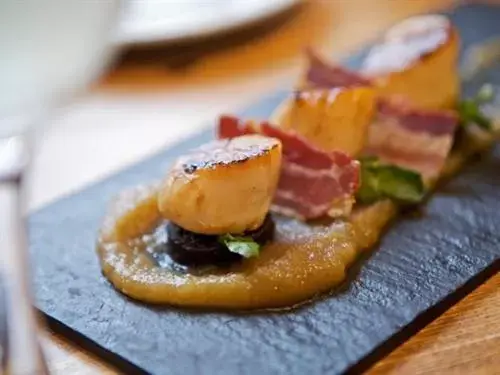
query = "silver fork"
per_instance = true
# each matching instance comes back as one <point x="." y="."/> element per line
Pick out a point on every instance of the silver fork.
<point x="21" y="352"/>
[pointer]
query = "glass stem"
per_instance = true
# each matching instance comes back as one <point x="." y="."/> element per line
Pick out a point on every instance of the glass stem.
<point x="23" y="355"/>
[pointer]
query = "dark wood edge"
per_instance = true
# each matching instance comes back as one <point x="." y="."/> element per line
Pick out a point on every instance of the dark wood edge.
<point x="424" y="319"/>
<point x="119" y="363"/>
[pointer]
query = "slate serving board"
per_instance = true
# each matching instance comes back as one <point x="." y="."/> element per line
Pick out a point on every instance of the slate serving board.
<point x="422" y="266"/>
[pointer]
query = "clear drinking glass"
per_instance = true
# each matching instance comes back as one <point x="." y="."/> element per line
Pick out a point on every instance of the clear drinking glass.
<point x="50" y="51"/>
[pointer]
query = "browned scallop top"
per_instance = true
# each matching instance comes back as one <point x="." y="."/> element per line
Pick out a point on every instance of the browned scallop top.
<point x="303" y="97"/>
<point x="227" y="152"/>
<point x="407" y="42"/>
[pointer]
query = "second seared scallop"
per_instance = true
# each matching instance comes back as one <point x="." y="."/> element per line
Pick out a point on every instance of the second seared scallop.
<point x="222" y="187"/>
<point x="417" y="58"/>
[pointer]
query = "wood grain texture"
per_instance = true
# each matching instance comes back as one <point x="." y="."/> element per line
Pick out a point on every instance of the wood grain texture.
<point x="464" y="340"/>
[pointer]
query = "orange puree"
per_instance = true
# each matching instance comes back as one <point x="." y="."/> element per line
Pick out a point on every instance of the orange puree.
<point x="303" y="260"/>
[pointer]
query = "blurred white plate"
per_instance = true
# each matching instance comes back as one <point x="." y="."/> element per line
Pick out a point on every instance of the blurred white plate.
<point x="168" y="21"/>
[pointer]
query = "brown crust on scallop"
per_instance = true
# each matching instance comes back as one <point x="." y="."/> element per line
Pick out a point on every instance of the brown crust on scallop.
<point x="226" y="152"/>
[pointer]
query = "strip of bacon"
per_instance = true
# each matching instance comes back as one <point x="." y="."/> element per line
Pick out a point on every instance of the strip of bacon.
<point x="433" y="122"/>
<point x="401" y="134"/>
<point x="321" y="74"/>
<point x="312" y="182"/>
<point x="412" y="138"/>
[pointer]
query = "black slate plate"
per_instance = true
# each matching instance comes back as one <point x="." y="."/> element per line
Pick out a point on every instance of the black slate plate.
<point x="422" y="266"/>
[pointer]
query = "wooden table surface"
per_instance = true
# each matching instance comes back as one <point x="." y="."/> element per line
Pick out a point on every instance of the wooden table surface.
<point x="139" y="108"/>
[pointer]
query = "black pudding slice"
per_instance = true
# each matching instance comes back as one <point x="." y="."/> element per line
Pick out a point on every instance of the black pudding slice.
<point x="193" y="249"/>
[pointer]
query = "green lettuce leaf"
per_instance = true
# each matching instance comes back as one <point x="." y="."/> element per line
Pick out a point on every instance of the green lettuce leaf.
<point x="245" y="246"/>
<point x="470" y="111"/>
<point x="380" y="181"/>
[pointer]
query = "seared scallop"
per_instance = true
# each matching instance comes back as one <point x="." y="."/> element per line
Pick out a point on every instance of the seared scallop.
<point x="417" y="58"/>
<point x="332" y="120"/>
<point x="225" y="186"/>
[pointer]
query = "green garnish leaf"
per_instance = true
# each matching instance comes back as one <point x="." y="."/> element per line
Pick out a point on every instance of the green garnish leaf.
<point x="379" y="181"/>
<point x="486" y="93"/>
<point x="369" y="160"/>
<point x="245" y="246"/>
<point x="470" y="111"/>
